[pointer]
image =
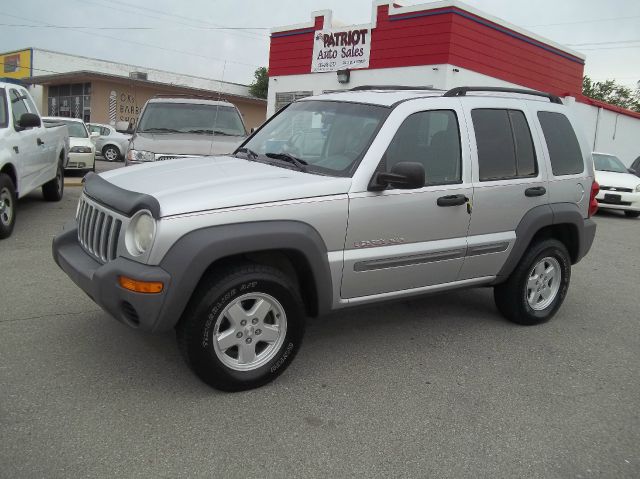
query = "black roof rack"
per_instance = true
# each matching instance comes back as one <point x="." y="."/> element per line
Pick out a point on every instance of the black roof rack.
<point x="189" y="96"/>
<point x="390" y="87"/>
<point x="462" y="91"/>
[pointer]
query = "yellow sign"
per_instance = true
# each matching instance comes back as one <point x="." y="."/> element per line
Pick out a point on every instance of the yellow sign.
<point x="16" y="64"/>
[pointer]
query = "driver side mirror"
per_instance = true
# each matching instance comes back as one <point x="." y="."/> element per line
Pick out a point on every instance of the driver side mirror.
<point x="28" y="120"/>
<point x="405" y="175"/>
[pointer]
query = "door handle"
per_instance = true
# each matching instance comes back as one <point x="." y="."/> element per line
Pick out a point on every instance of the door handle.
<point x="452" y="200"/>
<point x="40" y="142"/>
<point x="535" y="191"/>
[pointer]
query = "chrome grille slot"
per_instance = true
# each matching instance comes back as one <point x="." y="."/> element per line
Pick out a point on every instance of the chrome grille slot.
<point x="98" y="230"/>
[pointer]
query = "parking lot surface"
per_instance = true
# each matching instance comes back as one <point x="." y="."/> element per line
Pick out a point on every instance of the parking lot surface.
<point x="441" y="386"/>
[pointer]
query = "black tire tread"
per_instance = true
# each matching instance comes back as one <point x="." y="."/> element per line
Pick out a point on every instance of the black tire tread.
<point x="5" y="232"/>
<point x="507" y="295"/>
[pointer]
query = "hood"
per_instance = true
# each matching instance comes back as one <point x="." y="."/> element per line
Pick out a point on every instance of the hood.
<point x="186" y="143"/>
<point x="73" y="141"/>
<point x="621" y="180"/>
<point x="207" y="183"/>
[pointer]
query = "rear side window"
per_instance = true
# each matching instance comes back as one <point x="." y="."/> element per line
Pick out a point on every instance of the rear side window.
<point x="564" y="150"/>
<point x="505" y="147"/>
<point x="433" y="139"/>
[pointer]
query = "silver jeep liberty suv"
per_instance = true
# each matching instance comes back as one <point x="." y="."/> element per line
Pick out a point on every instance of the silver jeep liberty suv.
<point x="339" y="200"/>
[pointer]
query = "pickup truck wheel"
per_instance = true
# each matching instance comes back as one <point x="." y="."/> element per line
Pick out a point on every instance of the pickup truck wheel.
<point x="110" y="153"/>
<point x="7" y="206"/>
<point x="54" y="189"/>
<point x="537" y="287"/>
<point x="242" y="328"/>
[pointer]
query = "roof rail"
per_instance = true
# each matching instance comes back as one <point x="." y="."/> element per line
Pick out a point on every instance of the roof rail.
<point x="462" y="91"/>
<point x="391" y="87"/>
<point x="193" y="96"/>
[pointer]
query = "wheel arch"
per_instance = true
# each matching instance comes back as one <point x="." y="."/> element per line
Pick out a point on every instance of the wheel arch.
<point x="562" y="221"/>
<point x="10" y="170"/>
<point x="294" y="247"/>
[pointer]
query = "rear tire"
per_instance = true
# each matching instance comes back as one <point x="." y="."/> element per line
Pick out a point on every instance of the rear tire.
<point x="54" y="189"/>
<point x="535" y="290"/>
<point x="632" y="214"/>
<point x="8" y="200"/>
<point x="110" y="153"/>
<point x="242" y="328"/>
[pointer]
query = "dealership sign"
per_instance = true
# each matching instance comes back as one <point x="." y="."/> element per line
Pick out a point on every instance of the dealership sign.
<point x="341" y="49"/>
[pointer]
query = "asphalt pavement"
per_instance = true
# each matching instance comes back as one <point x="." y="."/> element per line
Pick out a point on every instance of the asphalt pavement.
<point x="437" y="387"/>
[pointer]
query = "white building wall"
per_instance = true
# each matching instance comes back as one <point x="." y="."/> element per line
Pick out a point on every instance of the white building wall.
<point x="46" y="62"/>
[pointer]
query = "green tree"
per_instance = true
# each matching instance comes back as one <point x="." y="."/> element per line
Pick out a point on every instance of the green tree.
<point x="260" y="85"/>
<point x="612" y="93"/>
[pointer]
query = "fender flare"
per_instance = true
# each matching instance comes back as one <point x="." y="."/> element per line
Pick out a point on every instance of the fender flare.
<point x="547" y="215"/>
<point x="190" y="257"/>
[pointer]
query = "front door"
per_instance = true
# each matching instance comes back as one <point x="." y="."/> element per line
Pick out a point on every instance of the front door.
<point x="400" y="239"/>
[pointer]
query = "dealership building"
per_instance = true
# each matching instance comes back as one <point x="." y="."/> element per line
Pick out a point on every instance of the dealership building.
<point x="442" y="45"/>
<point x="107" y="92"/>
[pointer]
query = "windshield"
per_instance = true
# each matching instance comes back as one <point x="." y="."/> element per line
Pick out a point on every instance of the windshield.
<point x="329" y="137"/>
<point x="608" y="163"/>
<point x="76" y="129"/>
<point x="191" y="118"/>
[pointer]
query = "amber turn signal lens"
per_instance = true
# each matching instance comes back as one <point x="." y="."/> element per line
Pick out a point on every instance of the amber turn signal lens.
<point x="140" y="286"/>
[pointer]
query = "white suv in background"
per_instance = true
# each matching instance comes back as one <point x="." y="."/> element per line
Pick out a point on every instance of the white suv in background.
<point x="619" y="189"/>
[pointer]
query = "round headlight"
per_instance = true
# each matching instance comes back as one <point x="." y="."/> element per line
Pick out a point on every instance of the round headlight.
<point x="140" y="233"/>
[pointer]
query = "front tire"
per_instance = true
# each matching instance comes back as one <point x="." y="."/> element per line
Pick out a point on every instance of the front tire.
<point x="242" y="328"/>
<point x="8" y="199"/>
<point x="54" y="189"/>
<point x="632" y="214"/>
<point x="535" y="290"/>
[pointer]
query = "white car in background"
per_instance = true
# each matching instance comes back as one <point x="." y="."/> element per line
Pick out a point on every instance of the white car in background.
<point x="111" y="144"/>
<point x="619" y="189"/>
<point x="82" y="151"/>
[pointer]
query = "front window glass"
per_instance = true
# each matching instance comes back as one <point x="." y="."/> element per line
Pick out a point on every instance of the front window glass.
<point x="18" y="106"/>
<point x="608" y="163"/>
<point x="191" y="118"/>
<point x="330" y="137"/>
<point x="4" y="120"/>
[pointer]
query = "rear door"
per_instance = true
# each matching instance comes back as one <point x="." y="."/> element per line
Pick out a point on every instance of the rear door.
<point x="398" y="239"/>
<point x="509" y="180"/>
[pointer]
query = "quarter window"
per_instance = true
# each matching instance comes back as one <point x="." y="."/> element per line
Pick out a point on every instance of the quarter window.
<point x="433" y="139"/>
<point x="505" y="147"/>
<point x="564" y="150"/>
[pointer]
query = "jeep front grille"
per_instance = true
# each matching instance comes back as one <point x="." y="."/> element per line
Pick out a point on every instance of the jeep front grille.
<point x="98" y="230"/>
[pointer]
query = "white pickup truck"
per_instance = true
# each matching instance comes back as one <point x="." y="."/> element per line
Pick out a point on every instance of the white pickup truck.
<point x="32" y="155"/>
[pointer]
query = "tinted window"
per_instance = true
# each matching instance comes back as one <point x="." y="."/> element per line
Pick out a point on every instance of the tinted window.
<point x="505" y="147"/>
<point x="4" y="120"/>
<point x="564" y="150"/>
<point x="431" y="138"/>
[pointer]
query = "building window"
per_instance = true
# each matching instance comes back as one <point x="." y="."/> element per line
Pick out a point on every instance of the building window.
<point x="71" y="101"/>
<point x="284" y="98"/>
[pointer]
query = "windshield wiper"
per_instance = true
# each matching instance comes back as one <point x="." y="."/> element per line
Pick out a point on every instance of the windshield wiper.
<point x="299" y="163"/>
<point x="210" y="132"/>
<point x="251" y="155"/>
<point x="159" y="130"/>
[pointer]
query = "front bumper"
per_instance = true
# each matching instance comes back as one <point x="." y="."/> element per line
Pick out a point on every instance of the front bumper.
<point x="81" y="161"/>
<point x="100" y="282"/>
<point x="618" y="200"/>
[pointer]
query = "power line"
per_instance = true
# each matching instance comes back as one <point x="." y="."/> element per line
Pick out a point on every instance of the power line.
<point x="216" y="59"/>
<point x="582" y="21"/>
<point x="610" y="48"/>
<point x="172" y="19"/>
<point x="128" y="28"/>
<point x="604" y="43"/>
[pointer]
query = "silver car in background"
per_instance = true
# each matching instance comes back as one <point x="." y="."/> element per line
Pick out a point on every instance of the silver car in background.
<point x="111" y="144"/>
